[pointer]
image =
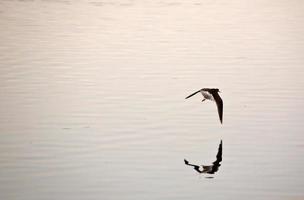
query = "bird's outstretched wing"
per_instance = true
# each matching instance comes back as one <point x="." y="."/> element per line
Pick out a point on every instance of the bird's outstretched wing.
<point x="193" y="94"/>
<point x="219" y="104"/>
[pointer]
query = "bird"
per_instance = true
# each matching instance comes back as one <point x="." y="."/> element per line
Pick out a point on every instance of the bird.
<point x="212" y="95"/>
<point x="209" y="169"/>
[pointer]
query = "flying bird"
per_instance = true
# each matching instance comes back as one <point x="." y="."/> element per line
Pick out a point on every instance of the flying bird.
<point x="209" y="169"/>
<point x="212" y="95"/>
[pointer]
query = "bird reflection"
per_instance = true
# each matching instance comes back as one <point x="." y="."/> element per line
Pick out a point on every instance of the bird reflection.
<point x="209" y="169"/>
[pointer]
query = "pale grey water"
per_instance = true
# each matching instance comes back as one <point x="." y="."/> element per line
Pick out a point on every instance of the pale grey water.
<point x="92" y="99"/>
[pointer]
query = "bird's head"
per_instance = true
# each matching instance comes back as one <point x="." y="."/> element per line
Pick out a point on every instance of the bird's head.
<point x="217" y="90"/>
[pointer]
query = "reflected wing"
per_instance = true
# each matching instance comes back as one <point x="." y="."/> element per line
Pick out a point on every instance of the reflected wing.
<point x="219" y="153"/>
<point x="187" y="163"/>
<point x="219" y="104"/>
<point x="196" y="167"/>
<point x="216" y="164"/>
<point x="193" y="94"/>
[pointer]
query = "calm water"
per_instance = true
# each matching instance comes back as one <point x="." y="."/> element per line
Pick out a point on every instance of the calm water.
<point x="92" y="99"/>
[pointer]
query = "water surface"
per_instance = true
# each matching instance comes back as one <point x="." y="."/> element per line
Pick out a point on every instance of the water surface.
<point x="92" y="102"/>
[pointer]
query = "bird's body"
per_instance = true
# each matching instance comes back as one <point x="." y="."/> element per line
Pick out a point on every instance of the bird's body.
<point x="207" y="95"/>
<point x="212" y="95"/>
